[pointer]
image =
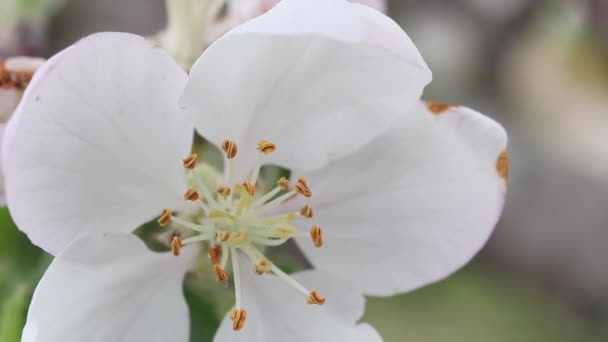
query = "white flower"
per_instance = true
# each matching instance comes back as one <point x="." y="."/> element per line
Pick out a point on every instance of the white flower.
<point x="406" y="191"/>
<point x="15" y="74"/>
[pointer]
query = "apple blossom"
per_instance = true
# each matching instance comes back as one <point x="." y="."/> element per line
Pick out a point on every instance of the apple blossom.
<point x="386" y="193"/>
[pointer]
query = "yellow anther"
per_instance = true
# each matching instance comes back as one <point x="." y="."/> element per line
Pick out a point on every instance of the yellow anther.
<point x="237" y="238"/>
<point x="238" y="317"/>
<point x="315" y="298"/>
<point x="223" y="236"/>
<point x="220" y="214"/>
<point x="302" y="187"/>
<point x="230" y="148"/>
<point x="165" y="217"/>
<point x="266" y="146"/>
<point x="223" y="191"/>
<point x="306" y="211"/>
<point x="262" y="265"/>
<point x="283" y="183"/>
<point x="191" y="195"/>
<point x="249" y="187"/>
<point x="190" y="161"/>
<point x="283" y="231"/>
<point x="317" y="236"/>
<point x="176" y="244"/>
<point x="220" y="275"/>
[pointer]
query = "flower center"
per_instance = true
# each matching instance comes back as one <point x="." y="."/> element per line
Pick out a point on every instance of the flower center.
<point x="236" y="217"/>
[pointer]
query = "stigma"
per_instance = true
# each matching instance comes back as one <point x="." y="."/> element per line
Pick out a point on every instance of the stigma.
<point x="233" y="220"/>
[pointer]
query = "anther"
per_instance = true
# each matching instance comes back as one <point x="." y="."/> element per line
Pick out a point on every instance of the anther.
<point x="283" y="230"/>
<point x="283" y="183"/>
<point x="237" y="238"/>
<point x="315" y="298"/>
<point x="176" y="244"/>
<point x="223" y="235"/>
<point x="261" y="266"/>
<point x="230" y="148"/>
<point x="220" y="275"/>
<point x="249" y="187"/>
<point x="190" y="161"/>
<point x="223" y="191"/>
<point x="238" y="317"/>
<point x="191" y="195"/>
<point x="164" y="218"/>
<point x="302" y="187"/>
<point x="214" y="254"/>
<point x="306" y="211"/>
<point x="266" y="146"/>
<point x="317" y="236"/>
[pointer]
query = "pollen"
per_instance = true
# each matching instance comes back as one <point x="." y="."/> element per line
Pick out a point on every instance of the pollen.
<point x="190" y="161"/>
<point x="315" y="298"/>
<point x="261" y="266"/>
<point x="223" y="191"/>
<point x="238" y="317"/>
<point x="306" y="211"/>
<point x="230" y="148"/>
<point x="302" y="187"/>
<point x="223" y="235"/>
<point x="176" y="244"/>
<point x="316" y="233"/>
<point x="165" y="217"/>
<point x="191" y="195"/>
<point x="266" y="146"/>
<point x="283" y="183"/>
<point x="237" y="238"/>
<point x="249" y="187"/>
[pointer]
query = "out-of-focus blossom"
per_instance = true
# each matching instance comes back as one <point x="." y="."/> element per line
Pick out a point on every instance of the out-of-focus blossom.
<point x="194" y="24"/>
<point x="15" y="74"/>
<point x="402" y="192"/>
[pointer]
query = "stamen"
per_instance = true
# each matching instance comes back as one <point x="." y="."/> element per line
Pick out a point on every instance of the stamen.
<point x="283" y="231"/>
<point x="165" y="217"/>
<point x="315" y="298"/>
<point x="249" y="187"/>
<point x="237" y="277"/>
<point x="317" y="236"/>
<point x="223" y="235"/>
<point x="267" y="196"/>
<point x="197" y="238"/>
<point x="238" y="317"/>
<point x="230" y="148"/>
<point x="237" y="238"/>
<point x="223" y="191"/>
<point x="261" y="266"/>
<point x="266" y="146"/>
<point x="191" y="225"/>
<point x="283" y="183"/>
<point x="306" y="211"/>
<point x="302" y="187"/>
<point x="220" y="275"/>
<point x="190" y="161"/>
<point x="176" y="244"/>
<point x="191" y="195"/>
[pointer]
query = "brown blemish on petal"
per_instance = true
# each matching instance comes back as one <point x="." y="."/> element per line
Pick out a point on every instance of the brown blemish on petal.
<point x="438" y="108"/>
<point x="502" y="165"/>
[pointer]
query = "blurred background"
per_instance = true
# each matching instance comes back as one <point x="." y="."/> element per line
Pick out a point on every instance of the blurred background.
<point x="538" y="67"/>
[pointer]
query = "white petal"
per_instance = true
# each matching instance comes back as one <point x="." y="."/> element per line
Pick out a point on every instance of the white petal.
<point x="110" y="287"/>
<point x="95" y="144"/>
<point x="320" y="78"/>
<point x="413" y="206"/>
<point x="277" y="312"/>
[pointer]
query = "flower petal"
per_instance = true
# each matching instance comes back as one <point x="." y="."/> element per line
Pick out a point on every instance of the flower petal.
<point x="95" y="144"/>
<point x="277" y="312"/>
<point x="320" y="78"/>
<point x="110" y="287"/>
<point x="414" y="205"/>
